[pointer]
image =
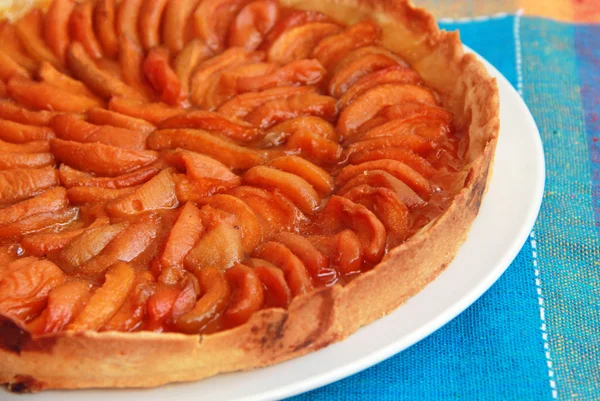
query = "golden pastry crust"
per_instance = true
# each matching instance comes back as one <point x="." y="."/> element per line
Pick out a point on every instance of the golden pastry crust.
<point x="324" y="316"/>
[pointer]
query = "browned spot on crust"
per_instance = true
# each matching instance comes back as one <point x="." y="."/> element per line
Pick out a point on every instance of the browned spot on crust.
<point x="24" y="384"/>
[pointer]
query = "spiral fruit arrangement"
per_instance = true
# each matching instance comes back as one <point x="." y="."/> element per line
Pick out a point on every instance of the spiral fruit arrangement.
<point x="178" y="165"/>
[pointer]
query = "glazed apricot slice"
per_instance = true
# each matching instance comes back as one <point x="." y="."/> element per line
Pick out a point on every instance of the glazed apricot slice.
<point x="212" y="20"/>
<point x="212" y="122"/>
<point x="149" y="22"/>
<point x="106" y="300"/>
<point x="12" y="111"/>
<point x="24" y="290"/>
<point x="71" y="128"/>
<point x="220" y="247"/>
<point x="405" y="156"/>
<point x="20" y="133"/>
<point x="49" y="201"/>
<point x="278" y="292"/>
<point x="10" y="68"/>
<point x="25" y="160"/>
<point x="64" y="303"/>
<point x="82" y="28"/>
<point x="44" y="96"/>
<point x="18" y="184"/>
<point x="320" y="179"/>
<point x="131" y="313"/>
<point x="298" y="42"/>
<point x="12" y="47"/>
<point x="157" y="193"/>
<point x="70" y="177"/>
<point x="153" y="113"/>
<point x="245" y="218"/>
<point x="107" y="117"/>
<point x="185" y="63"/>
<point x="85" y="195"/>
<point x="127" y="17"/>
<point x="99" y="158"/>
<point x="49" y="74"/>
<point x="216" y="294"/>
<point x="225" y="151"/>
<point x="294" y="270"/>
<point x="314" y="147"/>
<point x="29" y="30"/>
<point x="299" y="72"/>
<point x="348" y="257"/>
<point x="252" y="23"/>
<point x="247" y="294"/>
<point x="413" y="142"/>
<point x="199" y="167"/>
<point x="374" y="100"/>
<point x="306" y="104"/>
<point x="381" y="178"/>
<point x="56" y="27"/>
<point x="316" y="263"/>
<point x="293" y="186"/>
<point x="131" y="59"/>
<point x="422" y="126"/>
<point x="27" y="147"/>
<point x="176" y="19"/>
<point x="406" y="110"/>
<point x="290" y="19"/>
<point x="333" y="48"/>
<point x="104" y="21"/>
<point x="162" y="78"/>
<point x="349" y="74"/>
<point x="38" y="222"/>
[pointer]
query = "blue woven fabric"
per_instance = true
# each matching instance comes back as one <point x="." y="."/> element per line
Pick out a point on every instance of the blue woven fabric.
<point x="535" y="335"/>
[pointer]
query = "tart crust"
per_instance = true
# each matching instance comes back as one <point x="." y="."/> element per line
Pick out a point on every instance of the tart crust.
<point x="324" y="316"/>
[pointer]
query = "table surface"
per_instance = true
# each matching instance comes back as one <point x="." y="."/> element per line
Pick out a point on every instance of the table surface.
<point x="535" y="335"/>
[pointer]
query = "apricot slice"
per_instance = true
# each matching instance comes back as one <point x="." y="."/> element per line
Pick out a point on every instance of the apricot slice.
<point x="12" y="47"/>
<point x="131" y="313"/>
<point x="216" y="295"/>
<point x="9" y="110"/>
<point x="211" y="121"/>
<point x="299" y="72"/>
<point x="346" y="76"/>
<point x="71" y="128"/>
<point x="405" y="156"/>
<point x="171" y="300"/>
<point x="24" y="290"/>
<point x="293" y="186"/>
<point x="380" y="178"/>
<point x="24" y="148"/>
<point x="242" y="104"/>
<point x="127" y="245"/>
<point x="388" y="208"/>
<point x="315" y="262"/>
<point x="245" y="218"/>
<point x="278" y="293"/>
<point x="29" y="30"/>
<point x="149" y="18"/>
<point x="85" y="195"/>
<point x="107" y="117"/>
<point x="422" y="126"/>
<point x="10" y="68"/>
<point x="212" y="20"/>
<point x="199" y="167"/>
<point x="12" y="261"/>
<point x="333" y="48"/>
<point x="294" y="270"/>
<point x="49" y="74"/>
<point x="394" y="74"/>
<point x="106" y="300"/>
<point x="49" y="201"/>
<point x="298" y="42"/>
<point x="191" y="190"/>
<point x="275" y="111"/>
<point x="375" y="99"/>
<point x="44" y="96"/>
<point x="99" y="81"/>
<point x="38" y="222"/>
<point x="176" y="19"/>
<point x="183" y="236"/>
<point x="87" y="245"/>
<point x="99" y="158"/>
<point x="25" y="160"/>
<point x="314" y="147"/>
<point x="70" y="177"/>
<point x="153" y="113"/>
<point x="64" y="303"/>
<point x="348" y="257"/>
<point x="20" y="133"/>
<point x="131" y="59"/>
<point x="293" y="18"/>
<point x="220" y="247"/>
<point x="185" y="63"/>
<point x="225" y="151"/>
<point x="309" y="123"/>
<point x="275" y="211"/>
<point x="158" y="193"/>
<point x="406" y="110"/>
<point x="162" y="78"/>
<point x="320" y="179"/>
<point x="104" y="21"/>
<point x="56" y="27"/>
<point x="82" y="28"/>
<point x="252" y="23"/>
<point x="371" y="232"/>
<point x="127" y="19"/>
<point x="18" y="184"/>
<point x="247" y="297"/>
<point x="207" y="71"/>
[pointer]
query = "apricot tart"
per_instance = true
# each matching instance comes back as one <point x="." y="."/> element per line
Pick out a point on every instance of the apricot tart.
<point x="193" y="187"/>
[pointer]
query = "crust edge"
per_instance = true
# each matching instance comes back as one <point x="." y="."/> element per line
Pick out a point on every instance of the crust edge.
<point x="112" y="359"/>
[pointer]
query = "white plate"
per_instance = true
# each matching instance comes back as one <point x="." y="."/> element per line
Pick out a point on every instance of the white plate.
<point x="507" y="214"/>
